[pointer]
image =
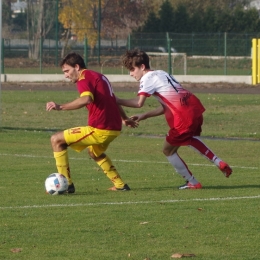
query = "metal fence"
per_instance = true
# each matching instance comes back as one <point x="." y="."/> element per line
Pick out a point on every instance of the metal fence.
<point x="186" y="54"/>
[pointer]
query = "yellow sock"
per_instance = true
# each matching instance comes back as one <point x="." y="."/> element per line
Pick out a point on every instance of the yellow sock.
<point x="111" y="172"/>
<point x="62" y="164"/>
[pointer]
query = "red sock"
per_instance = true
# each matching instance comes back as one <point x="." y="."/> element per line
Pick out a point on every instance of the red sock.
<point x="198" y="145"/>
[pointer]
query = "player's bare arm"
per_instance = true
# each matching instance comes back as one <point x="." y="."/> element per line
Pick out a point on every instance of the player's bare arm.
<point x="126" y="120"/>
<point x="156" y="112"/>
<point x="137" y="102"/>
<point x="75" y="104"/>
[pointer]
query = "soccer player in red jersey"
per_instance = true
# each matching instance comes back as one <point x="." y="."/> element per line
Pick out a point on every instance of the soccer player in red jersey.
<point x="183" y="112"/>
<point x="105" y="119"/>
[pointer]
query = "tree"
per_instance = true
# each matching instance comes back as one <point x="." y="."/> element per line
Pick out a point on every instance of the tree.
<point x="129" y="15"/>
<point x="196" y="23"/>
<point x="225" y="21"/>
<point x="252" y="19"/>
<point x="40" y="19"/>
<point x="20" y="21"/>
<point x="152" y="24"/>
<point x="239" y="20"/>
<point x="167" y="18"/>
<point x="79" y="18"/>
<point x="6" y="12"/>
<point x="182" y="19"/>
<point x="245" y="20"/>
<point x="193" y="5"/>
<point x="209" y="20"/>
<point x="204" y="16"/>
<point x="6" y="19"/>
<point x="235" y="3"/>
<point x="82" y="17"/>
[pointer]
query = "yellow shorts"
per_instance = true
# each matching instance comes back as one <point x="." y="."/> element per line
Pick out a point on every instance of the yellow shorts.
<point x="97" y="140"/>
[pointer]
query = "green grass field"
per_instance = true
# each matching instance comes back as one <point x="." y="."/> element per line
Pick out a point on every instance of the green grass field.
<point x="152" y="221"/>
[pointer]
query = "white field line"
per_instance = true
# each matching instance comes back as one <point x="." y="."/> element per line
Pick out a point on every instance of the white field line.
<point x="127" y="203"/>
<point x="127" y="161"/>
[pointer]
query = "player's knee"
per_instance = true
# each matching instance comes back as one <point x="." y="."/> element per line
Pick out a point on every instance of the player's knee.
<point x="169" y="152"/>
<point x="91" y="154"/>
<point x="166" y="152"/>
<point x="54" y="139"/>
<point x="57" y="139"/>
<point x="94" y="157"/>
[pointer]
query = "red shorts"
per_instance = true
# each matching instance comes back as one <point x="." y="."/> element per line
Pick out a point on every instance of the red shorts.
<point x="177" y="137"/>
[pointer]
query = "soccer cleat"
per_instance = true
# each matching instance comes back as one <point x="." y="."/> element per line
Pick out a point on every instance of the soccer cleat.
<point x="71" y="188"/>
<point x="224" y="167"/>
<point x="125" y="188"/>
<point x="188" y="185"/>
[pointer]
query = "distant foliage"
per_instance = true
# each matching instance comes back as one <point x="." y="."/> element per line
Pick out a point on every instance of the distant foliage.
<point x="167" y="17"/>
<point x="82" y="18"/>
<point x="152" y="24"/>
<point x="235" y="19"/>
<point x="6" y="12"/>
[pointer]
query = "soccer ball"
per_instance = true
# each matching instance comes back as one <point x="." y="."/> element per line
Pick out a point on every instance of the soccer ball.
<point x="56" y="184"/>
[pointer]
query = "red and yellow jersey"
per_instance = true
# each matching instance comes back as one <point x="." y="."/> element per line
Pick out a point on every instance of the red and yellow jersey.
<point x="103" y="111"/>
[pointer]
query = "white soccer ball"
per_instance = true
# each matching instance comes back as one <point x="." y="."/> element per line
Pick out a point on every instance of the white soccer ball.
<point x="56" y="184"/>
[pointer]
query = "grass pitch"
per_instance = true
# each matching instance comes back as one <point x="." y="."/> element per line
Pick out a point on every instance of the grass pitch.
<point x="152" y="221"/>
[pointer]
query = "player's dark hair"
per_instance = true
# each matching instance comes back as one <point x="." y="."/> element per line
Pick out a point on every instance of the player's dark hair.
<point x="72" y="59"/>
<point x="135" y="58"/>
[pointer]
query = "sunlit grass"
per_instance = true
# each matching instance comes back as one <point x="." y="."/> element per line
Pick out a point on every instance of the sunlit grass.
<point x="152" y="221"/>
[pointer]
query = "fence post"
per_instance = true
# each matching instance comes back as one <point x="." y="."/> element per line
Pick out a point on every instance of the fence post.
<point x="225" y="53"/>
<point x="2" y="57"/>
<point x="41" y="54"/>
<point x="258" y="61"/>
<point x="219" y="44"/>
<point x="99" y="29"/>
<point x="1" y="64"/>
<point x="169" y="54"/>
<point x="116" y="45"/>
<point x="56" y="32"/>
<point x="86" y="51"/>
<point x="192" y="43"/>
<point x="254" y="61"/>
<point x="129" y="42"/>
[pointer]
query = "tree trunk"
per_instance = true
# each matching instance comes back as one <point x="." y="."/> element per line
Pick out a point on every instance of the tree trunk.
<point x="38" y="25"/>
<point x="65" y="40"/>
<point x="37" y="37"/>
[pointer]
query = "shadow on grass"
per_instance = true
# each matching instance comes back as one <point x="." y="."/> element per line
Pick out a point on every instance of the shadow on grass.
<point x="231" y="187"/>
<point x="29" y="129"/>
<point x="171" y="188"/>
<point x="2" y="129"/>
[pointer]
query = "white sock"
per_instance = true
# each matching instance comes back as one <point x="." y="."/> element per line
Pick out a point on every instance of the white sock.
<point x="181" y="168"/>
<point x="216" y="161"/>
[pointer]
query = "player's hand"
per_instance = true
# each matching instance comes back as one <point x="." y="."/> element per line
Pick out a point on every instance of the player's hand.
<point x="138" y="117"/>
<point x="52" y="106"/>
<point x="130" y="123"/>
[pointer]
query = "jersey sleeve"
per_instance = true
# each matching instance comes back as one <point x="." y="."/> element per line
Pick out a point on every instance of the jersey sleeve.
<point x="147" y="85"/>
<point x="85" y="89"/>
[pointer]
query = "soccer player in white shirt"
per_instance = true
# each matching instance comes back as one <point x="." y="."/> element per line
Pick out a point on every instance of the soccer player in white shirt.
<point x="182" y="109"/>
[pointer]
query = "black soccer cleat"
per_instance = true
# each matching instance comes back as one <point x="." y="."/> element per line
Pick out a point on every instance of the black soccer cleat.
<point x="71" y="188"/>
<point x="125" y="188"/>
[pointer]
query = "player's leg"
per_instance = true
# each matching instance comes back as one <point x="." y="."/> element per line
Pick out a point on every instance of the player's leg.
<point x="107" y="166"/>
<point x="200" y="147"/>
<point x="60" y="153"/>
<point x="96" y="141"/>
<point x="180" y="166"/>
